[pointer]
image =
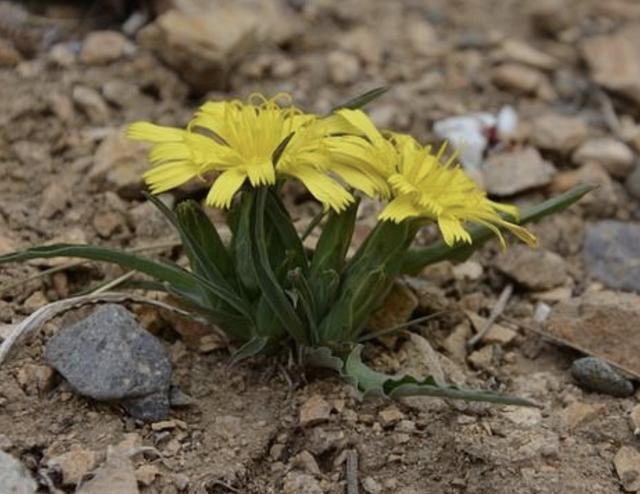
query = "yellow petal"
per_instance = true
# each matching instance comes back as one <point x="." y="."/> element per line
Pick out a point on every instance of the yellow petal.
<point x="453" y="231"/>
<point x="323" y="188"/>
<point x="360" y="121"/>
<point x="169" y="175"/>
<point x="399" y="209"/>
<point x="225" y="187"/>
<point x="146" y="131"/>
<point x="261" y="173"/>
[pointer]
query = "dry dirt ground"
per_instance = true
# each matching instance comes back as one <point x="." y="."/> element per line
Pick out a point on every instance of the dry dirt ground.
<point x="66" y="173"/>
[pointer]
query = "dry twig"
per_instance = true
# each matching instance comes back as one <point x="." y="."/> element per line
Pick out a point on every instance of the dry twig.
<point x="497" y="310"/>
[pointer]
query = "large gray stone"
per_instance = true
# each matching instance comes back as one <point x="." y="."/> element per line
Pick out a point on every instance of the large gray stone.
<point x="612" y="255"/>
<point x="108" y="356"/>
<point x="14" y="477"/>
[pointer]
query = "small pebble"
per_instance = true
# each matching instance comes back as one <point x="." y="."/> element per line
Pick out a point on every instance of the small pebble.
<point x="597" y="375"/>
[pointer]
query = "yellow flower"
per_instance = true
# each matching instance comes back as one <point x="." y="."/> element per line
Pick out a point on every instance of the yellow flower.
<point x="238" y="140"/>
<point x="425" y="187"/>
<point x="360" y="154"/>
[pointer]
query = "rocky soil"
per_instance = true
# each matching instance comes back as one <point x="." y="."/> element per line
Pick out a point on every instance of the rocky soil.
<point x="550" y="95"/>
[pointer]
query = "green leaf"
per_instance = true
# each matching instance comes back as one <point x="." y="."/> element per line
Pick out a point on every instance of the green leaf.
<point x="281" y="222"/>
<point x="210" y="280"/>
<point x="267" y="281"/>
<point x="161" y="270"/>
<point x="252" y="347"/>
<point x="335" y="239"/>
<point x="416" y="259"/>
<point x="370" y="382"/>
<point x="307" y="300"/>
<point x="241" y="244"/>
<point x="203" y="233"/>
<point x="362" y="100"/>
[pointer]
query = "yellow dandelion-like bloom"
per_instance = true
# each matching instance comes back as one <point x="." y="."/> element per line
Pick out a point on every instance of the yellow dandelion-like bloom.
<point x="424" y="186"/>
<point x="239" y="141"/>
<point x="360" y="154"/>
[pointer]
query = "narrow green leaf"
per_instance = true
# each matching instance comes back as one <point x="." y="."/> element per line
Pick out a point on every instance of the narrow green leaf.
<point x="161" y="270"/>
<point x="307" y="301"/>
<point x="362" y="100"/>
<point x="241" y="245"/>
<point x="204" y="234"/>
<point x="211" y="281"/>
<point x="416" y="259"/>
<point x="252" y="347"/>
<point x="371" y="382"/>
<point x="271" y="289"/>
<point x="335" y="239"/>
<point x="281" y="222"/>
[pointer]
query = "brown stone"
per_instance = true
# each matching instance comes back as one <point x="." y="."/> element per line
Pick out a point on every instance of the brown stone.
<point x="603" y="324"/>
<point x="146" y="474"/>
<point x="553" y="132"/>
<point x="397" y="308"/>
<point x="102" y="47"/>
<point x="314" y="411"/>
<point x="73" y="465"/>
<point x="515" y="171"/>
<point x="613" y="155"/>
<point x="36" y="378"/>
<point x="614" y="62"/>
<point x="517" y="51"/>
<point x="627" y="464"/>
<point x="579" y="413"/>
<point x="496" y="334"/>
<point x="390" y="416"/>
<point x="536" y="269"/>
<point x="456" y="343"/>
<point x="634" y="420"/>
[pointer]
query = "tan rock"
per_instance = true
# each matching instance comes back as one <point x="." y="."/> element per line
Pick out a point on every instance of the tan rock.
<point x="103" y="47"/>
<point x="35" y="301"/>
<point x="603" y="324"/>
<point x="496" y="334"/>
<point x="306" y="461"/>
<point x="119" y="163"/>
<point x="456" y="343"/>
<point x="627" y="464"/>
<point x="482" y="359"/>
<point x="202" y="39"/>
<point x="74" y="464"/>
<point x="146" y="474"/>
<point x="515" y="77"/>
<point x="553" y="132"/>
<point x="390" y="416"/>
<point x="470" y="270"/>
<point x="422" y="38"/>
<point x="36" y="378"/>
<point x="579" y="413"/>
<point x="602" y="201"/>
<point x="518" y="51"/>
<point x="634" y="420"/>
<point x="527" y="417"/>
<point x="116" y="475"/>
<point x="614" y="62"/>
<point x="91" y="103"/>
<point x="314" y="411"/>
<point x="613" y="155"/>
<point x="165" y="425"/>
<point x="106" y="223"/>
<point x="344" y="68"/>
<point x="536" y="269"/>
<point x="515" y="171"/>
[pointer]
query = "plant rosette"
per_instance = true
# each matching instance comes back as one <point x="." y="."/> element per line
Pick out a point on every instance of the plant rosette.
<point x="263" y="288"/>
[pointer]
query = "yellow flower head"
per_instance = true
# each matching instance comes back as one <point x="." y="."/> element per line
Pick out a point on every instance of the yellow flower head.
<point x="360" y="154"/>
<point x="239" y="141"/>
<point x="423" y="186"/>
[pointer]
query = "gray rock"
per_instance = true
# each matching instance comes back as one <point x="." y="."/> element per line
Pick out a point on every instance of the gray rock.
<point x="108" y="356"/>
<point x="14" y="477"/>
<point x="536" y="269"/>
<point x="611" y="254"/>
<point x="597" y="375"/>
